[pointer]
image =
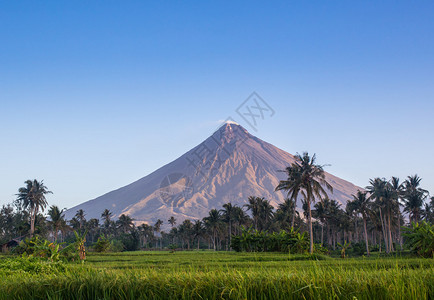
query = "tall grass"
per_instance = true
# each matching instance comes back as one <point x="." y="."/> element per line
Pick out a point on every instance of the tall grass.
<point x="205" y="275"/>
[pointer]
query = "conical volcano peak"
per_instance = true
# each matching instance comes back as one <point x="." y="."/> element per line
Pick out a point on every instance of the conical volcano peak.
<point x="229" y="166"/>
<point x="230" y="132"/>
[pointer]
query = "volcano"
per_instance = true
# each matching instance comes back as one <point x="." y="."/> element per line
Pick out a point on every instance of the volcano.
<point x="229" y="166"/>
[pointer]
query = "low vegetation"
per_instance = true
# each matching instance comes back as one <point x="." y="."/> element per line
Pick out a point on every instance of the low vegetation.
<point x="216" y="275"/>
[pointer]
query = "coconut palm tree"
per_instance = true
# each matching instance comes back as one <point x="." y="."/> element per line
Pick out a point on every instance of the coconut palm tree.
<point x="198" y="231"/>
<point x="414" y="197"/>
<point x="56" y="220"/>
<point x="106" y="216"/>
<point x="292" y="185"/>
<point x="125" y="223"/>
<point x="321" y="213"/>
<point x="428" y="212"/>
<point x="361" y="204"/>
<point x="255" y="207"/>
<point x="284" y="213"/>
<point x="265" y="214"/>
<point x="397" y="190"/>
<point x="185" y="230"/>
<point x="213" y="222"/>
<point x="157" y="229"/>
<point x="32" y="198"/>
<point x="312" y="184"/>
<point x="146" y="232"/>
<point x="240" y="218"/>
<point x="80" y="216"/>
<point x="377" y="190"/>
<point x="227" y="214"/>
<point x="172" y="221"/>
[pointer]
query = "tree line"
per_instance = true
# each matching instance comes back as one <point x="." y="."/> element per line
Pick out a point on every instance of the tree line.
<point x="373" y="218"/>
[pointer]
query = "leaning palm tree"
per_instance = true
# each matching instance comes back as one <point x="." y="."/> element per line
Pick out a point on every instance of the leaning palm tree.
<point x="32" y="197"/>
<point x="312" y="184"/>
<point x="361" y="204"/>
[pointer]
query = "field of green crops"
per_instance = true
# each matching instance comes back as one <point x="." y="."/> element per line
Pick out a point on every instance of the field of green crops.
<point x="217" y="275"/>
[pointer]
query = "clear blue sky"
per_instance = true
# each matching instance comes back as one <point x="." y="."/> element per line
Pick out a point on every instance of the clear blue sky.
<point x="95" y="95"/>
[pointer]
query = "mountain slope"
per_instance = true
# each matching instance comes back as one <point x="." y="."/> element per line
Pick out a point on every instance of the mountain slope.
<point x="229" y="166"/>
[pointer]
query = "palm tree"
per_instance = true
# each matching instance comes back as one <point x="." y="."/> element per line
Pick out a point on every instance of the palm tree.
<point x="106" y="216"/>
<point x="397" y="190"/>
<point x="414" y="197"/>
<point x="321" y="213"/>
<point x="312" y="182"/>
<point x="185" y="230"/>
<point x="172" y="221"/>
<point x="255" y="207"/>
<point x="125" y="223"/>
<point x="361" y="204"/>
<point x="57" y="220"/>
<point x="292" y="185"/>
<point x="145" y="232"/>
<point x="80" y="215"/>
<point x="284" y="213"/>
<point x="92" y="227"/>
<point x="239" y="218"/>
<point x="428" y="212"/>
<point x="212" y="222"/>
<point x="378" y="190"/>
<point x="32" y="197"/>
<point x="227" y="217"/>
<point x="265" y="214"/>
<point x="157" y="229"/>
<point x="198" y="231"/>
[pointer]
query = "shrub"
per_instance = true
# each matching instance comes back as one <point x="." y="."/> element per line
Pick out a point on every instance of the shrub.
<point x="252" y="240"/>
<point x="420" y="238"/>
<point x="102" y="245"/>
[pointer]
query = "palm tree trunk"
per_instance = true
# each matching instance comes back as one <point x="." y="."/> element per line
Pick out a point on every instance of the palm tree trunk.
<point x="399" y="232"/>
<point x="390" y="234"/>
<point x="383" y="226"/>
<point x="366" y="236"/>
<point x="32" y="222"/>
<point x="230" y="235"/>
<point x="310" y="225"/>
<point x="322" y="234"/>
<point x="293" y="216"/>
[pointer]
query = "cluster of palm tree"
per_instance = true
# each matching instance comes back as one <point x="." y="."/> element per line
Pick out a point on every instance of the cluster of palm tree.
<point x="373" y="217"/>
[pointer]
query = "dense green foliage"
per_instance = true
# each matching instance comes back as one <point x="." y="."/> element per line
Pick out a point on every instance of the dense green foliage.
<point x="372" y="221"/>
<point x="252" y="240"/>
<point x="420" y="238"/>
<point x="217" y="275"/>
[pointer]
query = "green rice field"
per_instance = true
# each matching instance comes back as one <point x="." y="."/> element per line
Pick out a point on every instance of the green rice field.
<point x="217" y="275"/>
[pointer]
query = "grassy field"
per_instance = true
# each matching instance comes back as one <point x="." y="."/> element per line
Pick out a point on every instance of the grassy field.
<point x="218" y="275"/>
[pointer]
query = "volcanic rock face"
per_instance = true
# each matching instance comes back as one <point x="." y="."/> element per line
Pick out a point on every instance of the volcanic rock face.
<point x="229" y="166"/>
